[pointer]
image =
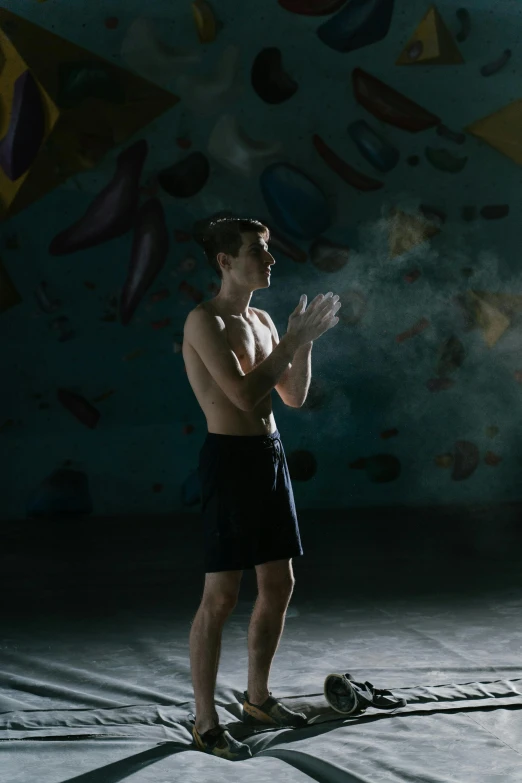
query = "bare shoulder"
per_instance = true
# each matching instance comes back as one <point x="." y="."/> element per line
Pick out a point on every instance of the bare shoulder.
<point x="262" y="315"/>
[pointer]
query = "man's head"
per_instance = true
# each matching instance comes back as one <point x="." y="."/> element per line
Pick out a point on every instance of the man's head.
<point x="236" y="249"/>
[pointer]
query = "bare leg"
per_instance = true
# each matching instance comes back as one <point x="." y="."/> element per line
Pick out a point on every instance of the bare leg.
<point x="205" y="649"/>
<point x="264" y="633"/>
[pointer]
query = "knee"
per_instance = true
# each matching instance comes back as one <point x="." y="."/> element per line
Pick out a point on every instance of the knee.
<point x="279" y="591"/>
<point x="221" y="604"/>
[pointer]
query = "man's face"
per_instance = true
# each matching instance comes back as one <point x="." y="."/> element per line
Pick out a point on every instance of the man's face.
<point x="254" y="259"/>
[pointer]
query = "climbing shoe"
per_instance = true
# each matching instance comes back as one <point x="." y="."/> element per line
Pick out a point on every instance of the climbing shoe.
<point x="219" y="742"/>
<point x="271" y="713"/>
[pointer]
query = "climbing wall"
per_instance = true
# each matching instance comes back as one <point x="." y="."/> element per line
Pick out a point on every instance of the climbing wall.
<point x="378" y="139"/>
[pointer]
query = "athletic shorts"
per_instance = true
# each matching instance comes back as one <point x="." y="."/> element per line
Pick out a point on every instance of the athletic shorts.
<point x="248" y="508"/>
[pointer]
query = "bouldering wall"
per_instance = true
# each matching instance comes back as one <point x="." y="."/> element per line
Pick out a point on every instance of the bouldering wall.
<point x="379" y="140"/>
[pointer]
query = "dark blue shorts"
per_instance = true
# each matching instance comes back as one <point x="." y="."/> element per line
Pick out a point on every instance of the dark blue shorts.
<point x="248" y="506"/>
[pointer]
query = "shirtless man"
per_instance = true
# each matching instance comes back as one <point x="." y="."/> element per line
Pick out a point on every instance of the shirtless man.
<point x="234" y="358"/>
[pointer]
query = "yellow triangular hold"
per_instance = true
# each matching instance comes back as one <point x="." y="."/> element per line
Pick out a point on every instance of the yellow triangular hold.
<point x="76" y="137"/>
<point x="407" y="231"/>
<point x="491" y="321"/>
<point x="502" y="130"/>
<point x="431" y="43"/>
<point x="508" y="304"/>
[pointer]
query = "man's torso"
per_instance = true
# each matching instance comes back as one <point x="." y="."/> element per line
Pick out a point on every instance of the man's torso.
<point x="251" y="341"/>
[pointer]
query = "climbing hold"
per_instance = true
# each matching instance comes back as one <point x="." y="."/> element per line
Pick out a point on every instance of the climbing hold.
<point x="464" y="18"/>
<point x="328" y="256"/>
<point x="149" y="253"/>
<point x="190" y="292"/>
<point x="432" y="213"/>
<point x="444" y="460"/>
<point x="413" y="276"/>
<point x="389" y="105"/>
<point x="143" y="51"/>
<point x="78" y="81"/>
<point x="112" y="212"/>
<point x="493" y="313"/>
<point x="184" y="142"/>
<point x="233" y="148"/>
<point x="112" y="22"/>
<point x="495" y="211"/>
<point x="502" y="130"/>
<point x="406" y="231"/>
<point x="413" y="160"/>
<point x="413" y="331"/>
<point x="21" y="143"/>
<point x="185" y="178"/>
<point x="294" y="201"/>
<point x="206" y="22"/>
<point x="380" y="468"/>
<point x="377" y="151"/>
<point x="496" y="65"/>
<point x="492" y="431"/>
<point x="205" y="95"/>
<point x="492" y="459"/>
<point x="447" y="133"/>
<point x="350" y="175"/>
<point x="269" y="79"/>
<point x="450" y="356"/>
<point x="311" y="7"/>
<point x="466" y="460"/>
<point x="444" y="160"/>
<point x="86" y="413"/>
<point x="62" y="325"/>
<point x="431" y="43"/>
<point x="359" y="23"/>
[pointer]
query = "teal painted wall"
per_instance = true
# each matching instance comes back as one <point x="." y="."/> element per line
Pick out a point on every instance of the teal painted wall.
<point x="140" y="456"/>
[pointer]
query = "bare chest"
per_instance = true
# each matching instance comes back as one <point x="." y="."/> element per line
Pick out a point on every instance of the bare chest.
<point x="250" y="340"/>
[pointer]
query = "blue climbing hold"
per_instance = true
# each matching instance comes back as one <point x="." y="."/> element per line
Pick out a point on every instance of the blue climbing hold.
<point x="296" y="204"/>
<point x="380" y="153"/>
<point x="360" y="23"/>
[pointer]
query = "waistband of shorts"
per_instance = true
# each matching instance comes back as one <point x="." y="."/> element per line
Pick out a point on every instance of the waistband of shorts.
<point x="242" y="440"/>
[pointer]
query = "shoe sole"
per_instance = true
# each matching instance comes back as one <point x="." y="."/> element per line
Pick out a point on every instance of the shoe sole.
<point x="346" y="683"/>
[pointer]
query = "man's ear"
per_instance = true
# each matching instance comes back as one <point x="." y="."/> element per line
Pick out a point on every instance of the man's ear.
<point x="222" y="259"/>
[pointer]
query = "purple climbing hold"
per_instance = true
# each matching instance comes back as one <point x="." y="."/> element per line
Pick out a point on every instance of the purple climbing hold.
<point x="360" y="23"/>
<point x="76" y="404"/>
<point x="496" y="65"/>
<point x="149" y="253"/>
<point x="495" y="211"/>
<point x="112" y="212"/>
<point x="269" y="79"/>
<point x="26" y="131"/>
<point x="185" y="178"/>
<point x="465" y="24"/>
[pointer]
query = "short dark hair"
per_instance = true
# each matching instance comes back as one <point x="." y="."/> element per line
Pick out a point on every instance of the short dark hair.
<point x="221" y="233"/>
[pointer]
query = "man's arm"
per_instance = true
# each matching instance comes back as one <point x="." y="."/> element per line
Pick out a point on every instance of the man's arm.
<point x="205" y="334"/>
<point x="295" y="381"/>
